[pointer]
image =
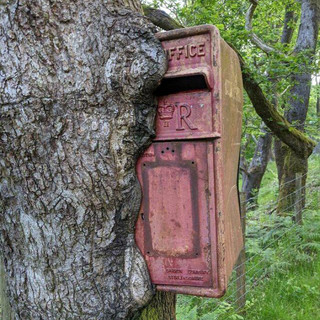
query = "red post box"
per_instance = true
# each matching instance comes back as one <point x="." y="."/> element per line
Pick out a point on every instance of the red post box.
<point x="189" y="223"/>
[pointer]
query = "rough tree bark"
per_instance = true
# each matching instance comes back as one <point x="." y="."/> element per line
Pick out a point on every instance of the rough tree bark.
<point x="76" y="83"/>
<point x="5" y="308"/>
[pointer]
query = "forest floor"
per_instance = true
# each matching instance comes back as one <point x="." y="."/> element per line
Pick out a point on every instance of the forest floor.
<point x="282" y="262"/>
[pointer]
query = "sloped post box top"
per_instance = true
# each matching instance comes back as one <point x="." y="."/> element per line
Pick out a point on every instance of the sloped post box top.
<point x="191" y="51"/>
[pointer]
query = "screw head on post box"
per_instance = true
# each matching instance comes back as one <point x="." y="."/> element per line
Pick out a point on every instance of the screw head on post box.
<point x="189" y="227"/>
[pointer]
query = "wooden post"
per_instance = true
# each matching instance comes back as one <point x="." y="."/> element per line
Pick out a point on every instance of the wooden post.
<point x="298" y="199"/>
<point x="240" y="266"/>
<point x="5" y="309"/>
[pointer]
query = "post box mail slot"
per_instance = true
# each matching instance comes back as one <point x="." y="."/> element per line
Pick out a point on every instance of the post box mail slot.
<point x="189" y="222"/>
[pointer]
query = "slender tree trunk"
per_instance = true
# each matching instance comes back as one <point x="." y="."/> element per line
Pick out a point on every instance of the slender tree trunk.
<point x="290" y="19"/>
<point x="251" y="183"/>
<point x="318" y="110"/>
<point x="279" y="152"/>
<point x="243" y="165"/>
<point x="318" y="102"/>
<point x="258" y="165"/>
<point x="76" y="110"/>
<point x="299" y="101"/>
<point x="280" y="148"/>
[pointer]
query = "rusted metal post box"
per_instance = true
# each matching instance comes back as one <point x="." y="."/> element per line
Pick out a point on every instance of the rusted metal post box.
<point x="189" y="223"/>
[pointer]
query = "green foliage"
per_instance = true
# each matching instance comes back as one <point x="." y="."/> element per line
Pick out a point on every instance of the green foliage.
<point x="283" y="262"/>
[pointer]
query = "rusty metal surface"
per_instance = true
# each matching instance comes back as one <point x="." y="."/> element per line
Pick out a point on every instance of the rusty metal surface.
<point x="173" y="220"/>
<point x="189" y="222"/>
<point x="231" y="119"/>
<point x="189" y="114"/>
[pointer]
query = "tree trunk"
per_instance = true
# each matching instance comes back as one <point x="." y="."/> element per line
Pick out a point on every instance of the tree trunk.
<point x="318" y="102"/>
<point x="318" y="110"/>
<point x="5" y="309"/>
<point x="76" y="83"/>
<point x="287" y="33"/>
<point x="162" y="307"/>
<point x="292" y="164"/>
<point x="279" y="152"/>
<point x="290" y="19"/>
<point x="299" y="101"/>
<point x="251" y="183"/>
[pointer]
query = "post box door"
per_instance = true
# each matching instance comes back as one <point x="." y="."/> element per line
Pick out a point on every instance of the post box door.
<point x="177" y="213"/>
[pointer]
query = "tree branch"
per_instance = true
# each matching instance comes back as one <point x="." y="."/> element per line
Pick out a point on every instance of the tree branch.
<point x="295" y="139"/>
<point x="248" y="26"/>
<point x="161" y="19"/>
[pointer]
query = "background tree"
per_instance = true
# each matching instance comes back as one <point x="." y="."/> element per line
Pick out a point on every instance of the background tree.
<point x="253" y="173"/>
<point x="258" y="165"/>
<point x="76" y="83"/>
<point x="298" y="102"/>
<point x="318" y="102"/>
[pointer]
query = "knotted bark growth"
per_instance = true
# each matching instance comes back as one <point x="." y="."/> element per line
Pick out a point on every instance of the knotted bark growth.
<point x="76" y="83"/>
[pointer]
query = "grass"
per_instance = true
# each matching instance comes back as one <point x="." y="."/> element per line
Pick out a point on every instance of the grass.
<point x="291" y="290"/>
<point x="295" y="295"/>
<point x="283" y="268"/>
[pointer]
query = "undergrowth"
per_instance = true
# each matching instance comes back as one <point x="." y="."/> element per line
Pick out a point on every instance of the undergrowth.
<point x="283" y="263"/>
